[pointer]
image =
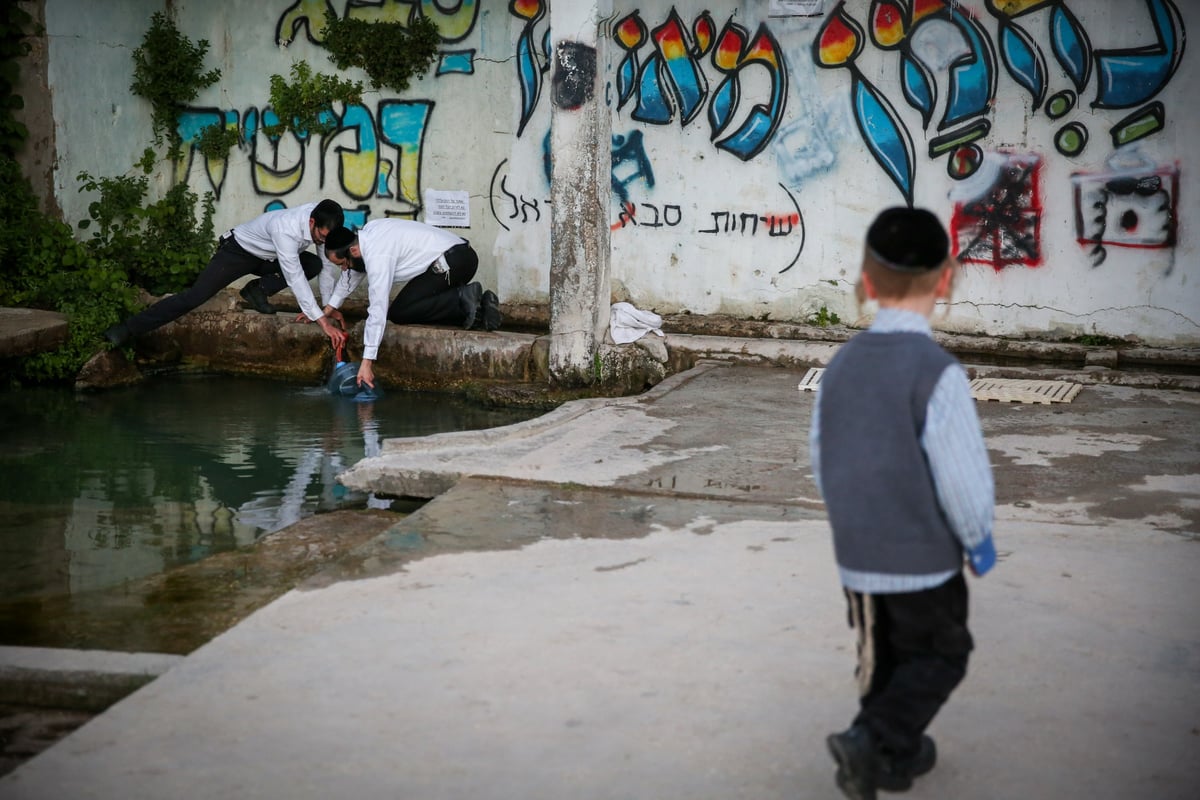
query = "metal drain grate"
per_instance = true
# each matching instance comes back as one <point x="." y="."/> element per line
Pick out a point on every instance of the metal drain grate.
<point x="1010" y="390"/>
<point x="1004" y="390"/>
<point x="811" y="380"/>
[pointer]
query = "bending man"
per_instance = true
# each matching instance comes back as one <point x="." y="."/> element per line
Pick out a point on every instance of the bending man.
<point x="273" y="246"/>
<point x="436" y="266"/>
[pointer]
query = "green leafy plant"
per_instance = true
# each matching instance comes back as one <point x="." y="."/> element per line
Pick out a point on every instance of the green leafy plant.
<point x="306" y="104"/>
<point x="823" y="318"/>
<point x="163" y="244"/>
<point x="1096" y="340"/>
<point x="168" y="72"/>
<point x="217" y="140"/>
<point x="46" y="268"/>
<point x="14" y="26"/>
<point x="391" y="53"/>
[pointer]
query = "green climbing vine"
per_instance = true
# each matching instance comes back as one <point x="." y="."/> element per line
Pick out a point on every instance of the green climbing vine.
<point x="391" y="53"/>
<point x="15" y="24"/>
<point x="305" y="104"/>
<point x="168" y="72"/>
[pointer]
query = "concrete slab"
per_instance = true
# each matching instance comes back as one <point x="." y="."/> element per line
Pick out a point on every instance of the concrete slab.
<point x="27" y="331"/>
<point x="640" y="601"/>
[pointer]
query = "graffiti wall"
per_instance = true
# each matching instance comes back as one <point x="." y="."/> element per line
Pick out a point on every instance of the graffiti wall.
<point x="748" y="151"/>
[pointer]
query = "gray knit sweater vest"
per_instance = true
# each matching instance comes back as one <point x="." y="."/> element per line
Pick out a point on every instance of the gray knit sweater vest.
<point x="877" y="486"/>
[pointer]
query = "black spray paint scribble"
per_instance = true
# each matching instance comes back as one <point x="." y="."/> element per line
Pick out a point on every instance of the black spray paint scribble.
<point x="574" y="75"/>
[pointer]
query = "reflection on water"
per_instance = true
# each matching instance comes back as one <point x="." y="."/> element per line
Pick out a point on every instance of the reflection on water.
<point x="99" y="489"/>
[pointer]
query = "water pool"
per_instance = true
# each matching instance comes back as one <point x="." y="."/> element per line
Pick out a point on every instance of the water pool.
<point x="97" y="490"/>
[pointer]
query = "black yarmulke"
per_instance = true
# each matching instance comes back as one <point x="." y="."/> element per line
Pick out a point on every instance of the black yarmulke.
<point x="908" y="240"/>
<point x="339" y="238"/>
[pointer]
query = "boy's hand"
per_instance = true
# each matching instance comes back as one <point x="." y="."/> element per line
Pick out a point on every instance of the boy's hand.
<point x="982" y="558"/>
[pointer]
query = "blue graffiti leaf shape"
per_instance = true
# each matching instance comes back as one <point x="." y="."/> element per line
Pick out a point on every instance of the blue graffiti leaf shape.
<point x="919" y="90"/>
<point x="972" y="76"/>
<point x="530" y="78"/>
<point x="1071" y="46"/>
<point x="749" y="139"/>
<point x="1024" y="61"/>
<point x="1127" y="78"/>
<point x="724" y="102"/>
<point x="885" y="135"/>
<point x="653" y="106"/>
<point x="625" y="80"/>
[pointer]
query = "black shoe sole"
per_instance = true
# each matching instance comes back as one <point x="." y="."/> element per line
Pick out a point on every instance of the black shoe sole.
<point x="491" y="311"/>
<point x="473" y="298"/>
<point x="116" y="336"/>
<point x="854" y="776"/>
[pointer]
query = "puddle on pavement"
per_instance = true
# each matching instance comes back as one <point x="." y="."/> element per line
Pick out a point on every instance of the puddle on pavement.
<point x="130" y="517"/>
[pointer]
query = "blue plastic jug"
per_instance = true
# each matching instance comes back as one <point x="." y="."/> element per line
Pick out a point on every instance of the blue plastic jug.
<point x="344" y="382"/>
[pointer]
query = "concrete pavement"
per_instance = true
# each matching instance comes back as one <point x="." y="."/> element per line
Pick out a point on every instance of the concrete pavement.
<point x="636" y="598"/>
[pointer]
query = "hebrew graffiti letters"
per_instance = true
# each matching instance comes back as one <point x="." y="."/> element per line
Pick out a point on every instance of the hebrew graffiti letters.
<point x="629" y="34"/>
<point x="836" y="46"/>
<point x="454" y="21"/>
<point x="306" y="14"/>
<point x="670" y="80"/>
<point x="943" y="38"/>
<point x="191" y="124"/>
<point x="269" y="155"/>
<point x="402" y="124"/>
<point x="731" y="57"/>
<point x="1126" y="78"/>
<point x="358" y="167"/>
<point x="629" y="164"/>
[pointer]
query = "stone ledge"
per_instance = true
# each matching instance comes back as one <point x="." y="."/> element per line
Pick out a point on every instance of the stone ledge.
<point x="83" y="680"/>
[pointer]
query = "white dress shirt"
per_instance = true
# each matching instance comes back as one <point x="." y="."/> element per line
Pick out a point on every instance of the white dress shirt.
<point x="283" y="235"/>
<point x="394" y="251"/>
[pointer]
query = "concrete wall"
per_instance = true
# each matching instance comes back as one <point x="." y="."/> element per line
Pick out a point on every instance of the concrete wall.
<point x="749" y="151"/>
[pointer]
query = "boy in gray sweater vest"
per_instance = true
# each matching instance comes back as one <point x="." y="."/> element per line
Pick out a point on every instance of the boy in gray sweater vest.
<point x="899" y="458"/>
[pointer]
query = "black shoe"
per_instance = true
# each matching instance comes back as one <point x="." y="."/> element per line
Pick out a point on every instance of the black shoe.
<point x="854" y="752"/>
<point x="469" y="298"/>
<point x="253" y="294"/>
<point x="491" y="311"/>
<point x="117" y="335"/>
<point x="896" y="774"/>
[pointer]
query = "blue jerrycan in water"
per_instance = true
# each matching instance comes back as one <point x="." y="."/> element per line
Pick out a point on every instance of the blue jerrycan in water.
<point x="343" y="381"/>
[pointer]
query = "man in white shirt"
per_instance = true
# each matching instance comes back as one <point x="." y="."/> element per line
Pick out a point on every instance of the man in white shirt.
<point x="436" y="267"/>
<point x="273" y="246"/>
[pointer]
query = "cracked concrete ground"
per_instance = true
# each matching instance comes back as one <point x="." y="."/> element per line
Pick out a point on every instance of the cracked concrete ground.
<point x="637" y="598"/>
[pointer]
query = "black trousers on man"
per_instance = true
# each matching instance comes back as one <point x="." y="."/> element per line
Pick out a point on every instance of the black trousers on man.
<point x="229" y="263"/>
<point x="432" y="298"/>
<point x="913" y="651"/>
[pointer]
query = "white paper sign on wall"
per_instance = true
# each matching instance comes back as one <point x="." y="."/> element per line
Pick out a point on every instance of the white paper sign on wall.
<point x="796" y="8"/>
<point x="448" y="209"/>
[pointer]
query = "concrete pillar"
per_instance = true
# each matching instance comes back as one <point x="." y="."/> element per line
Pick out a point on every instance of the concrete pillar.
<point x="580" y="189"/>
<point x="38" y="153"/>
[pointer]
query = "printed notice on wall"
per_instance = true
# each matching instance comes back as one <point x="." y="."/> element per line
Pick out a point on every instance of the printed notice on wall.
<point x="447" y="209"/>
<point x="796" y="8"/>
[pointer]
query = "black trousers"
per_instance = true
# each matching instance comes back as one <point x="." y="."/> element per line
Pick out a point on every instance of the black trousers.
<point x="431" y="298"/>
<point x="913" y="651"/>
<point x="229" y="263"/>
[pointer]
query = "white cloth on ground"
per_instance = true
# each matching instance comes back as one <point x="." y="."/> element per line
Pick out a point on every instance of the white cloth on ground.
<point x="628" y="324"/>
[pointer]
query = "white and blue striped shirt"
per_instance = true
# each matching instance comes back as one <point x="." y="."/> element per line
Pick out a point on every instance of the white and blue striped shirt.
<point x="957" y="460"/>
